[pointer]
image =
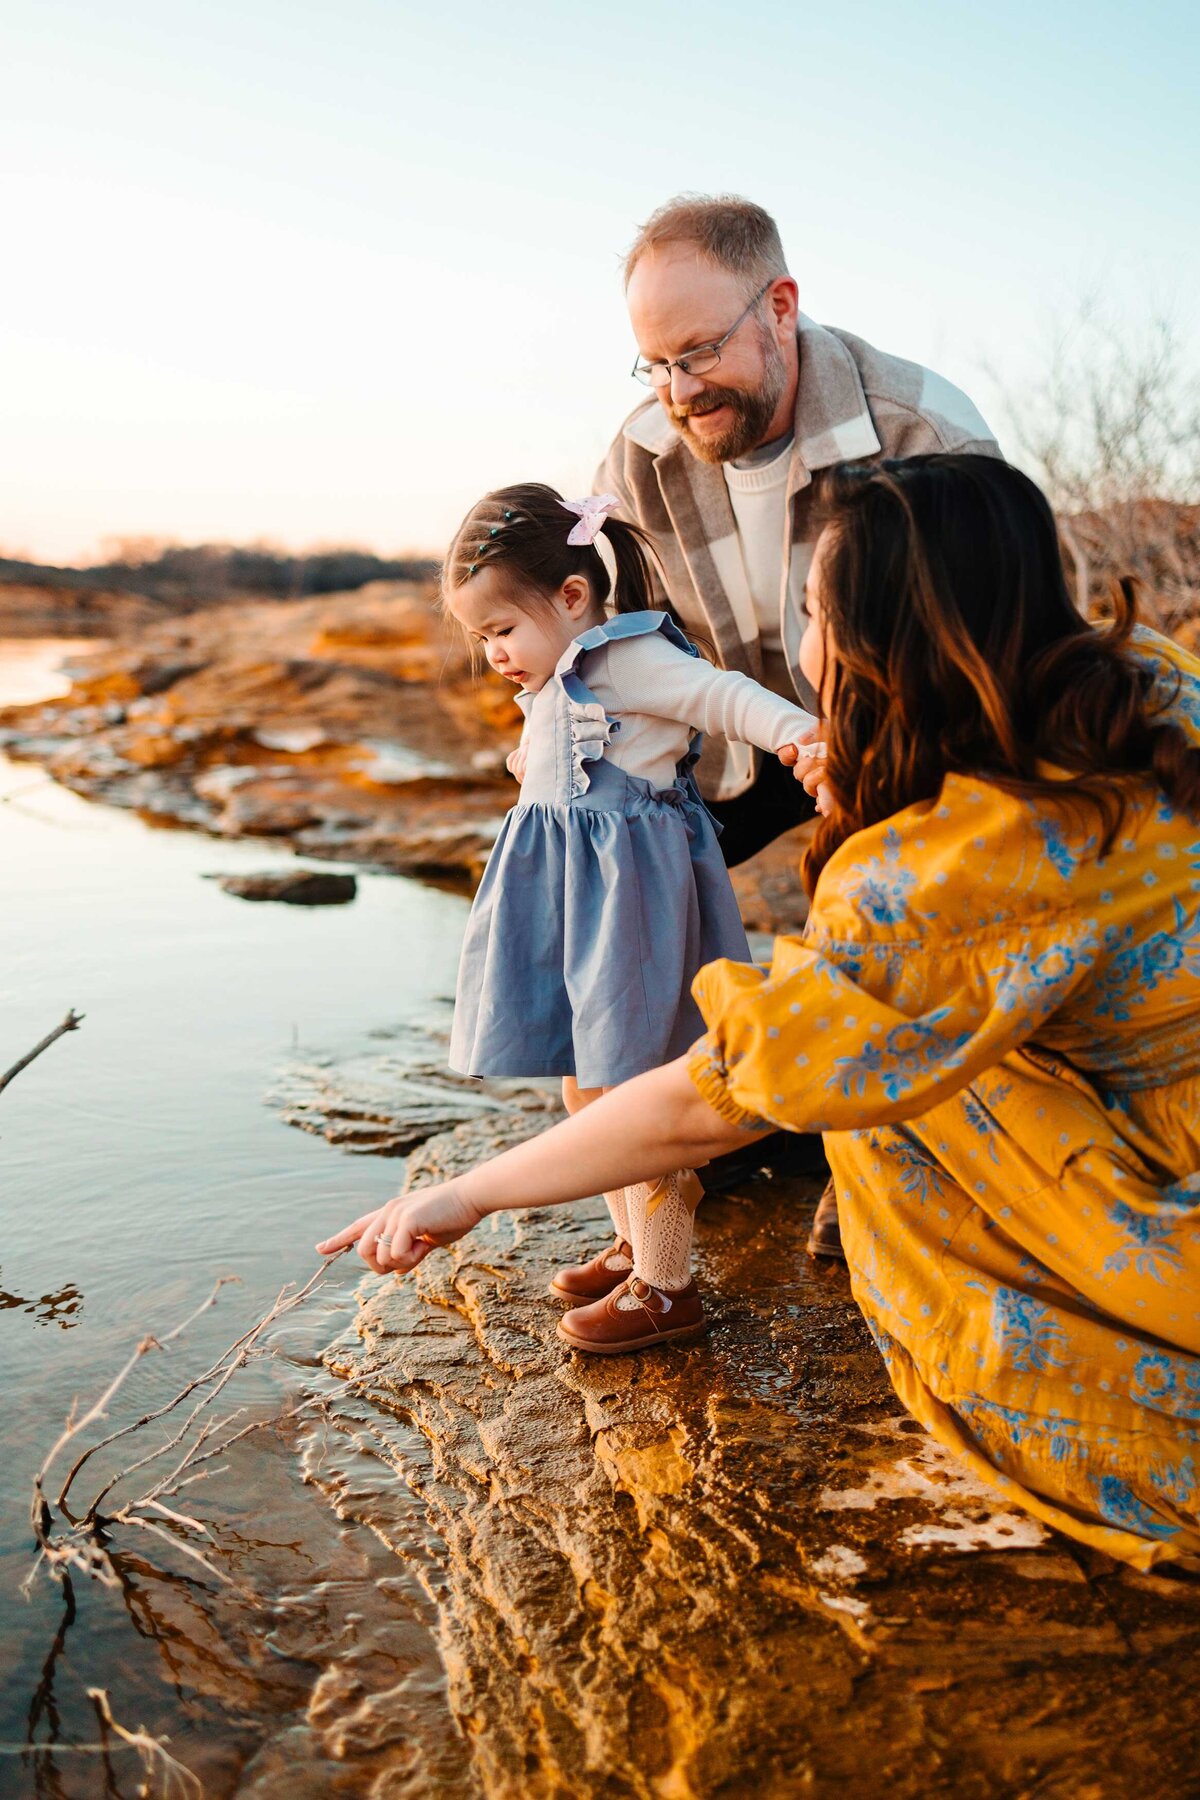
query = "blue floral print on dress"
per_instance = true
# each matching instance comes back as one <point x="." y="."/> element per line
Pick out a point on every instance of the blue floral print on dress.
<point x="1147" y="1241"/>
<point x="883" y="884"/>
<point x="1117" y="1502"/>
<point x="1025" y="1329"/>
<point x="1170" y="1382"/>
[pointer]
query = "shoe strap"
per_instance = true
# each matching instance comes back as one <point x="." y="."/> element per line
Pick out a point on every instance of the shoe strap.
<point x="633" y="1284"/>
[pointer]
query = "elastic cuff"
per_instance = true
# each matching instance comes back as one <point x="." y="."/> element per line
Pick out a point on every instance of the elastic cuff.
<point x="709" y="1076"/>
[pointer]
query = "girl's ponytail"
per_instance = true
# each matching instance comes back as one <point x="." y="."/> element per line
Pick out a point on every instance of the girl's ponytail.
<point x="633" y="588"/>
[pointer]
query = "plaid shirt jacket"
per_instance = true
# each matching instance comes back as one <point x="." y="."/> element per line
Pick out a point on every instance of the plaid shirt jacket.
<point x="853" y="404"/>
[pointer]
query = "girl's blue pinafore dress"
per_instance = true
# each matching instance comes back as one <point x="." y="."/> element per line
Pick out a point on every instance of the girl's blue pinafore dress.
<point x="599" y="903"/>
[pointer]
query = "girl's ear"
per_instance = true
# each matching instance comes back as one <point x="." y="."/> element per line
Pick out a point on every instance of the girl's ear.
<point x="576" y="594"/>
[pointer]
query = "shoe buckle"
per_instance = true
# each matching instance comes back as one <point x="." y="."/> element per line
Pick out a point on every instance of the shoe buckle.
<point x="641" y="1291"/>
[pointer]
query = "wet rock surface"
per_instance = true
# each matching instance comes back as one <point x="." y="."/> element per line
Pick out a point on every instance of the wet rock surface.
<point x="739" y="1567"/>
<point x="292" y="887"/>
<point x="386" y="1100"/>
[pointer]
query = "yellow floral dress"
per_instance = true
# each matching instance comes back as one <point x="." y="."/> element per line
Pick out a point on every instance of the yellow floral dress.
<point x="999" y="1033"/>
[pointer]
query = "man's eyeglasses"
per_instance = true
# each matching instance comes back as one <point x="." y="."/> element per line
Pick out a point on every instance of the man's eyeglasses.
<point x="698" y="361"/>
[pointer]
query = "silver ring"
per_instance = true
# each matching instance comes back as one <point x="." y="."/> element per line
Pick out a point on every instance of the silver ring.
<point x="383" y="1240"/>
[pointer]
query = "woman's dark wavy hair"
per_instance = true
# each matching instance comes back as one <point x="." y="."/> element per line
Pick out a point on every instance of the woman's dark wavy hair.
<point x="954" y="646"/>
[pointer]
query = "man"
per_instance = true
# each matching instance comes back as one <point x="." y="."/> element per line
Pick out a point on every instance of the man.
<point x="750" y="400"/>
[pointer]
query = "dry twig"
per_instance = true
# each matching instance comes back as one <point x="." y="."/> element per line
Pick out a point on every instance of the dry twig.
<point x="81" y="1546"/>
<point x="70" y="1023"/>
<point x="176" y="1782"/>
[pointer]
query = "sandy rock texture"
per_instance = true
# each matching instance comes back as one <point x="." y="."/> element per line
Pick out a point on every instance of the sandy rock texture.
<point x="388" y="1099"/>
<point x="350" y="727"/>
<point x="739" y="1568"/>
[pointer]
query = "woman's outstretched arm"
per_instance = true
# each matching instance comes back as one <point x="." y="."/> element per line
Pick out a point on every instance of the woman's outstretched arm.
<point x="643" y="1129"/>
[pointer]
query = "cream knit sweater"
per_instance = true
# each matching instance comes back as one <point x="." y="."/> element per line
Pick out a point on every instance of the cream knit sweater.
<point x="660" y="695"/>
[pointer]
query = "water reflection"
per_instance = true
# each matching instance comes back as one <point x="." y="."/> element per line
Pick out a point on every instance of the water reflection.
<point x="137" y="1163"/>
<point x="61" y="1308"/>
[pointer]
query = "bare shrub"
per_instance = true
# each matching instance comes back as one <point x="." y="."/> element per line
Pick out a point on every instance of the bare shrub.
<point x="1111" y="429"/>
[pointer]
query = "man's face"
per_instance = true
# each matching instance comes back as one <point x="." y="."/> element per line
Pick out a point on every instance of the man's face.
<point x="678" y="301"/>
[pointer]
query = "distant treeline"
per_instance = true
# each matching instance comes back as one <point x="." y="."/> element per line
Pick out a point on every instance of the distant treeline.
<point x="195" y="575"/>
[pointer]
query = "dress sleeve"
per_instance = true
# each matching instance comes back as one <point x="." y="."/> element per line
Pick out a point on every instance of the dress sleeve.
<point x="821" y="1042"/>
<point x="649" y="675"/>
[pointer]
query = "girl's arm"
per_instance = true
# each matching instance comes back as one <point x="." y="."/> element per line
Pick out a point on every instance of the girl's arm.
<point x="649" y="675"/>
<point x="645" y="1128"/>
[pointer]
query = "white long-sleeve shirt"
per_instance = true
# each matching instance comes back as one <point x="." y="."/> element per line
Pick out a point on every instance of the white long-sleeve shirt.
<point x="661" y="695"/>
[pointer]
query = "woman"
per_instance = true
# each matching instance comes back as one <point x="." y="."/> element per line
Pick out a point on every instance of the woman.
<point x="993" y="1014"/>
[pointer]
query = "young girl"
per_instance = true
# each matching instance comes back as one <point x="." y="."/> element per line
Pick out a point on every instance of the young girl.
<point x="606" y="890"/>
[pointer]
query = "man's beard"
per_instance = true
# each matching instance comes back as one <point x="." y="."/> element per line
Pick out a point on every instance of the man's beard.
<point x="753" y="410"/>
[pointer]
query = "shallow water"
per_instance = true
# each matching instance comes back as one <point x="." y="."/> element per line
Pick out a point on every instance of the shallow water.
<point x="137" y="1163"/>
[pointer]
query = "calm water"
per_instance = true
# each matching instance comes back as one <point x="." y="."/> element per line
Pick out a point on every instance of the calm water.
<point x="137" y="1163"/>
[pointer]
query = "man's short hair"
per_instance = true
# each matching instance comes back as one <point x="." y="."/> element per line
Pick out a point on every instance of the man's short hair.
<point x="731" y="232"/>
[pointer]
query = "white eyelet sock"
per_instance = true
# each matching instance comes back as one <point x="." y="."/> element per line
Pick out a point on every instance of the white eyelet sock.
<point x="661" y="1214"/>
<point x="619" y="1213"/>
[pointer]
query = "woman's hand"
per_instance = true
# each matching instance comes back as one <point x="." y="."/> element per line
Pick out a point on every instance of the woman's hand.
<point x="516" y="760"/>
<point x="401" y="1234"/>
<point x="806" y="758"/>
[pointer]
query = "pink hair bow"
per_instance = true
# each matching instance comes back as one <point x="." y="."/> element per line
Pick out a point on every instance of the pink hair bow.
<point x="592" y="513"/>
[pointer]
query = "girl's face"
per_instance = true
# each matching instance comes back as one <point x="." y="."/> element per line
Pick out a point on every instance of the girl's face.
<point x="523" y="646"/>
<point x="814" y="660"/>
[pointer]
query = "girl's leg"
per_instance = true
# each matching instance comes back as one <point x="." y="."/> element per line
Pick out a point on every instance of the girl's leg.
<point x="661" y="1215"/>
<point x="575" y="1099"/>
<point x="659" y="1300"/>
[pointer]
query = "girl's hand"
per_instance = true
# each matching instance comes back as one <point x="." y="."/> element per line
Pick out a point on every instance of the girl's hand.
<point x="402" y="1233"/>
<point x="806" y="758"/>
<point x="515" y="761"/>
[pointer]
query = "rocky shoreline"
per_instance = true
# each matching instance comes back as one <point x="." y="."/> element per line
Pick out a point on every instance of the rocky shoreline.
<point x="349" y="728"/>
<point x="738" y="1567"/>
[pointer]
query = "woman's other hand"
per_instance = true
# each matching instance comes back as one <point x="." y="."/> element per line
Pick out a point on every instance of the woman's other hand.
<point x="401" y="1234"/>
<point x="806" y="759"/>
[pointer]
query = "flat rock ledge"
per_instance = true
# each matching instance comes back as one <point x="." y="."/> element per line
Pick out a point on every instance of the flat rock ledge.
<point x="738" y="1568"/>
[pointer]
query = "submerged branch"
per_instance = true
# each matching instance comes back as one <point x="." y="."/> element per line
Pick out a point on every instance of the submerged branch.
<point x="79" y="1545"/>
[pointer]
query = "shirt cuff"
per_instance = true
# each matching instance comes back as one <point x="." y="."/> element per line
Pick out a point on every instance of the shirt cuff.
<point x="708" y="1074"/>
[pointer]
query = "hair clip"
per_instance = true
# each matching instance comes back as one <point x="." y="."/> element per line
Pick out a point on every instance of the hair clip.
<point x="479" y="548"/>
<point x="472" y="568"/>
<point x="495" y="531"/>
<point x="507" y="514"/>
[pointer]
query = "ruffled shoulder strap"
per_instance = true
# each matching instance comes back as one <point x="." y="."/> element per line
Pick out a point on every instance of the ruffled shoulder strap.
<point x="613" y="631"/>
<point x="591" y="727"/>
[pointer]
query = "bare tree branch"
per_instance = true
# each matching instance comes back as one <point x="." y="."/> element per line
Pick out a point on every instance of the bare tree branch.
<point x="70" y="1023"/>
<point x="1112" y="428"/>
<point x="80" y="1546"/>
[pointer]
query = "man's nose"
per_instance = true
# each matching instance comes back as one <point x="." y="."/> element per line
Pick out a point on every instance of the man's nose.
<point x="684" y="387"/>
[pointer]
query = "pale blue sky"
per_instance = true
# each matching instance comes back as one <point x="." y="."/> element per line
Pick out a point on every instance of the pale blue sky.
<point x="281" y="271"/>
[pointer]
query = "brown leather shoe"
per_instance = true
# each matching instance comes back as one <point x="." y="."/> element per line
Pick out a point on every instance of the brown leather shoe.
<point x="594" y="1280"/>
<point x="825" y="1238"/>
<point x="632" y="1318"/>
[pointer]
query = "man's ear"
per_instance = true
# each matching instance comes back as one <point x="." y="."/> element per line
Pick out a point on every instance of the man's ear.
<point x="783" y="304"/>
